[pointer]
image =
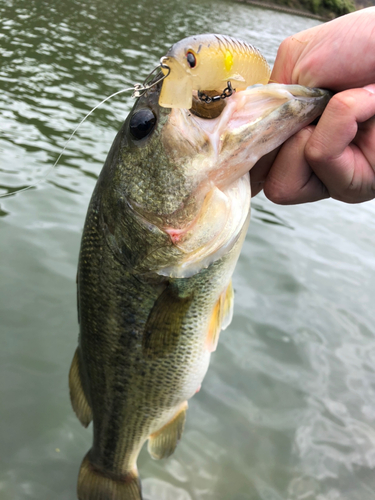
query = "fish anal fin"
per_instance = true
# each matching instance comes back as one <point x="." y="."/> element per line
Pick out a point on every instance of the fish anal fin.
<point x="94" y="484"/>
<point x="220" y="318"/>
<point x="162" y="443"/>
<point x="78" y="398"/>
<point x="163" y="326"/>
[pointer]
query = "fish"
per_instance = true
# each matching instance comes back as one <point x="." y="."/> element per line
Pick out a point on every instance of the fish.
<point x="208" y="62"/>
<point x="163" y="232"/>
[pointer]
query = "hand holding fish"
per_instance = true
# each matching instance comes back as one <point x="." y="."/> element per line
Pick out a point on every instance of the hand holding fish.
<point x="336" y="158"/>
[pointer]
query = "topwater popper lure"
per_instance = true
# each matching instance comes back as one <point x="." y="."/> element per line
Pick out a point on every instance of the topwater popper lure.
<point x="206" y="63"/>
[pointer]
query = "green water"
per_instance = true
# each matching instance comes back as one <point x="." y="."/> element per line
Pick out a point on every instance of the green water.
<point x="287" y="410"/>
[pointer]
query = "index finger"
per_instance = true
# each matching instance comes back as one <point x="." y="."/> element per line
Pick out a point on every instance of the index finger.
<point x="337" y="55"/>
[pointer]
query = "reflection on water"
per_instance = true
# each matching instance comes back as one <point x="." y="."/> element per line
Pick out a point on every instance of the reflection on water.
<point x="287" y="409"/>
<point x="267" y="216"/>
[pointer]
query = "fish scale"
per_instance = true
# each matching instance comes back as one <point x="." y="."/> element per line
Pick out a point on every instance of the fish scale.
<point x="115" y="327"/>
<point x="164" y="385"/>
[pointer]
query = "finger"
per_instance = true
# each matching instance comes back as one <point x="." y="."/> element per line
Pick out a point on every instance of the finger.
<point x="291" y="179"/>
<point x="288" y="54"/>
<point x="321" y="65"/>
<point x="311" y="57"/>
<point x="260" y="171"/>
<point x="346" y="170"/>
<point x="365" y="138"/>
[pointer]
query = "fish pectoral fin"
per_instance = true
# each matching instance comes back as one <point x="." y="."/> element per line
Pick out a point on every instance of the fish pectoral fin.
<point x="227" y="307"/>
<point x="214" y="328"/>
<point x="93" y="484"/>
<point x="78" y="398"/>
<point x="163" y="326"/>
<point x="220" y="318"/>
<point x="162" y="443"/>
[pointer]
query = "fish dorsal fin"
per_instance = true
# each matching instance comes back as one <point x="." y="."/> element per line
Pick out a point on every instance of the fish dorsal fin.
<point x="163" y="326"/>
<point x="163" y="442"/>
<point x="221" y="317"/>
<point x="78" y="398"/>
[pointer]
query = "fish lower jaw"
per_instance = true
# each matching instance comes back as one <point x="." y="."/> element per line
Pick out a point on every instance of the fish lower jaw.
<point x="254" y="122"/>
<point x="214" y="232"/>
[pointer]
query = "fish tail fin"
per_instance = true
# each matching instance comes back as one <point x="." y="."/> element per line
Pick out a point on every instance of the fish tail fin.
<point x="94" y="484"/>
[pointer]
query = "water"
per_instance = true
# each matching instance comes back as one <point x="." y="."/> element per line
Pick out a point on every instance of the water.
<point x="287" y="410"/>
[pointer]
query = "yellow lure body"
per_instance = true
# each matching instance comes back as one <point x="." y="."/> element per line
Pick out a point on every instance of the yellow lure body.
<point x="208" y="62"/>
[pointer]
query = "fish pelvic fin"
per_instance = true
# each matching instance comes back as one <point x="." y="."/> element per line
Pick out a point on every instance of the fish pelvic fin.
<point x="221" y="317"/>
<point x="78" y="398"/>
<point x="162" y="443"/>
<point x="94" y="484"/>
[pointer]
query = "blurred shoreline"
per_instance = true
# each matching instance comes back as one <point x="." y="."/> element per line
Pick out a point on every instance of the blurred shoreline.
<point x="283" y="8"/>
<point x="322" y="10"/>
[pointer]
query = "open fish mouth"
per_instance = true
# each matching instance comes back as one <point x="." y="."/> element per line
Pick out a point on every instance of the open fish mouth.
<point x="252" y="123"/>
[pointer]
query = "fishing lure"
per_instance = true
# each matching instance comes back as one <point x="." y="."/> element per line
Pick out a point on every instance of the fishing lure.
<point x="209" y="62"/>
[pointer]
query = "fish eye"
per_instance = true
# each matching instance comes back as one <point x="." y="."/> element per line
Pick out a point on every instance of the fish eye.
<point x="142" y="123"/>
<point x="191" y="59"/>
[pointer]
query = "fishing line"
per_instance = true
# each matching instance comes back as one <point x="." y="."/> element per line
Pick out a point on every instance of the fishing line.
<point x="138" y="90"/>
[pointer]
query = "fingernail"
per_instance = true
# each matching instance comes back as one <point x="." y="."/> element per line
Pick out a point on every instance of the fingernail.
<point x="370" y="88"/>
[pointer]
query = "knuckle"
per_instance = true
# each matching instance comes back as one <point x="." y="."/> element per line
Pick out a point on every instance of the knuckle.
<point x="302" y="136"/>
<point x="283" y="67"/>
<point x="285" y="45"/>
<point x="277" y="192"/>
<point x="315" y="152"/>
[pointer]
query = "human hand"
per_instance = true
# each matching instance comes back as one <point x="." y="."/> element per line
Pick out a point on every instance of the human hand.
<point x="337" y="157"/>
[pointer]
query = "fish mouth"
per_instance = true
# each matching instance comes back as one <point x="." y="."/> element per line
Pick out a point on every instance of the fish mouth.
<point x="254" y="122"/>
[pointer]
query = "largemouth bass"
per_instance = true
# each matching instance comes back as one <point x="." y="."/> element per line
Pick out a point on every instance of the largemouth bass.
<point x="163" y="232"/>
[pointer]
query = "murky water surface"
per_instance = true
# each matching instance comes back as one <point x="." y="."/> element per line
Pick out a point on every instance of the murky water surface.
<point x="287" y="410"/>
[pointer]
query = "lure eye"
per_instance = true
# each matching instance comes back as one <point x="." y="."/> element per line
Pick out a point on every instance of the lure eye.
<point x="191" y="59"/>
<point x="142" y="123"/>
